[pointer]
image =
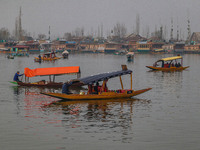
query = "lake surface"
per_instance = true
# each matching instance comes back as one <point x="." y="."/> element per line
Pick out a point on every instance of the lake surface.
<point x="166" y="117"/>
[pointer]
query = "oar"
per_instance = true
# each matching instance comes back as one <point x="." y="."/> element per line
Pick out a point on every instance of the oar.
<point x="13" y="82"/>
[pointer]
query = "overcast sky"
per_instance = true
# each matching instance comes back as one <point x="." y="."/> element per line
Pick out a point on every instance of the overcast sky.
<point x="66" y="15"/>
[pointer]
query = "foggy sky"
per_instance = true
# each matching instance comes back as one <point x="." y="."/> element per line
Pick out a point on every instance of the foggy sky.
<point x="66" y="15"/>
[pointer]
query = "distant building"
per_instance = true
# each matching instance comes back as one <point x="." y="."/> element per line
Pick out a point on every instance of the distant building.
<point x="112" y="47"/>
<point x="195" y="38"/>
<point x="192" y="48"/>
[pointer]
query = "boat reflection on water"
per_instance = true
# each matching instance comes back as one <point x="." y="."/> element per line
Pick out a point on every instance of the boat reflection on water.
<point x="111" y="117"/>
<point x="101" y="115"/>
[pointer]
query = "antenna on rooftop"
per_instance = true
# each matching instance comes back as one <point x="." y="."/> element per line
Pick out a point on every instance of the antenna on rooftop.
<point x="171" y="34"/>
<point x="49" y="32"/>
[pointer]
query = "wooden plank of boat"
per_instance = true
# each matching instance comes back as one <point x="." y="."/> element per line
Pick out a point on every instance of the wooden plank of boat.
<point x="40" y="84"/>
<point x="99" y="96"/>
<point x="46" y="59"/>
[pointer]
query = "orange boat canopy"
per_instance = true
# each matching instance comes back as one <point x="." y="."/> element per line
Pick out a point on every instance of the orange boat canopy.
<point x="51" y="71"/>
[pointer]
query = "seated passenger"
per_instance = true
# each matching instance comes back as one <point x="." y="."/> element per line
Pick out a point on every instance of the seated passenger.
<point x="179" y="64"/>
<point x="90" y="87"/>
<point x="96" y="88"/>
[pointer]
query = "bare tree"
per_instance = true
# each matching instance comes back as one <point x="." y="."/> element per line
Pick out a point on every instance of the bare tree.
<point x="4" y="34"/>
<point x="67" y="36"/>
<point x="79" y="32"/>
<point x="137" y="24"/>
<point x="41" y="36"/>
<point x="119" y="30"/>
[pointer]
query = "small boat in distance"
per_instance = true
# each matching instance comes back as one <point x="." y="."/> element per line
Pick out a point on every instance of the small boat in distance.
<point x="54" y="71"/>
<point x="100" y="92"/>
<point x="65" y="54"/>
<point x="169" y="64"/>
<point x="130" y="56"/>
<point x="47" y="57"/>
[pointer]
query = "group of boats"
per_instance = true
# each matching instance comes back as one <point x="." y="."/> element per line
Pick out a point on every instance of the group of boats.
<point x="94" y="89"/>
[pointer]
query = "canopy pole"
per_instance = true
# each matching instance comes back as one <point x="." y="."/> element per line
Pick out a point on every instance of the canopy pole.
<point x="103" y="85"/>
<point x="182" y="62"/>
<point x="54" y="78"/>
<point x="131" y="81"/>
<point x="50" y="78"/>
<point x="121" y="82"/>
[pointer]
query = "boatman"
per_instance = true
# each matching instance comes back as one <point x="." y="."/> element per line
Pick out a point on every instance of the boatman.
<point x="65" y="87"/>
<point x="16" y="77"/>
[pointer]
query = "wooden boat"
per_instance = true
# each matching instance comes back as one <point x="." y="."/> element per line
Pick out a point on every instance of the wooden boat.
<point x="102" y="93"/>
<point x="47" y="57"/>
<point x="10" y="56"/>
<point x="158" y="51"/>
<point x="54" y="71"/>
<point x="168" y="64"/>
<point x="65" y="54"/>
<point x="130" y="56"/>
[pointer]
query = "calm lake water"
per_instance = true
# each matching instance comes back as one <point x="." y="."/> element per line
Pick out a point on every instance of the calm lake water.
<point x="164" y="118"/>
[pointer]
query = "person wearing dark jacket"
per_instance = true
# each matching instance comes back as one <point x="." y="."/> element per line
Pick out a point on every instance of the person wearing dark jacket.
<point x="65" y="87"/>
<point x="16" y="77"/>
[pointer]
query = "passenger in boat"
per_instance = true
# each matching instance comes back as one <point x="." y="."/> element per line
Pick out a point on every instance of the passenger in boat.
<point x="105" y="88"/>
<point x="53" y="54"/>
<point x="39" y="58"/>
<point x="65" y="87"/>
<point x="16" y="77"/>
<point x="166" y="65"/>
<point x="90" y="87"/>
<point x="96" y="88"/>
<point x="179" y="64"/>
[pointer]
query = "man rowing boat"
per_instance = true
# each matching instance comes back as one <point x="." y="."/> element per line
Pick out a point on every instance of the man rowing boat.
<point x="16" y="77"/>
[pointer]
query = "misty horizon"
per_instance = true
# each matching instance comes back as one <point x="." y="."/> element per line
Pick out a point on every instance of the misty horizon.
<point x="67" y="15"/>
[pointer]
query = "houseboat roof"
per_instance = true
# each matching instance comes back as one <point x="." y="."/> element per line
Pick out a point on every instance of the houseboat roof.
<point x="21" y="46"/>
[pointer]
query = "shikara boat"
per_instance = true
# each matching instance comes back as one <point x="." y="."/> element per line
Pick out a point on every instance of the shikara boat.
<point x="158" y="51"/>
<point x="102" y="93"/>
<point x="47" y="57"/>
<point x="169" y="64"/>
<point x="51" y="72"/>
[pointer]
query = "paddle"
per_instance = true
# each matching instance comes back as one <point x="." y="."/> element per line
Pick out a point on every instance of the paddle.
<point x="13" y="82"/>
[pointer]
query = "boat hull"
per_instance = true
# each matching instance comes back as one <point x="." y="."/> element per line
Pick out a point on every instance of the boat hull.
<point x="40" y="84"/>
<point x="46" y="59"/>
<point x="167" y="69"/>
<point x="99" y="96"/>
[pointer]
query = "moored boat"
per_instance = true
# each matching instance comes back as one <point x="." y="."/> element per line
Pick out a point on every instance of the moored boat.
<point x="169" y="64"/>
<point x="100" y="92"/>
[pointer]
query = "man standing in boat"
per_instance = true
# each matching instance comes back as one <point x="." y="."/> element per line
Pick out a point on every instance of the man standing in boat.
<point x="16" y="77"/>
